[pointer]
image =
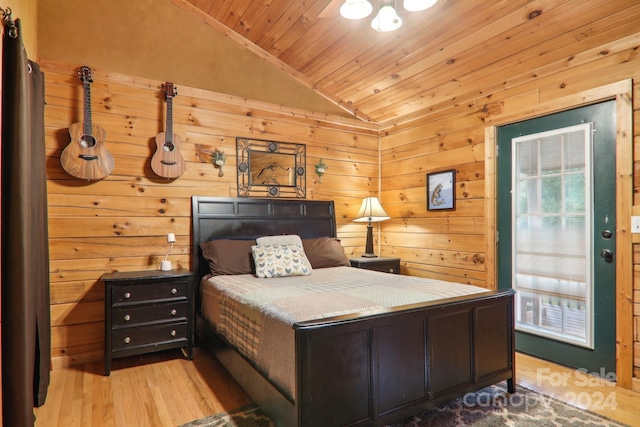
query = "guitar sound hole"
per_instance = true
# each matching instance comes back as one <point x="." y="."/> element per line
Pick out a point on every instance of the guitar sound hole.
<point x="88" y="141"/>
<point x="168" y="146"/>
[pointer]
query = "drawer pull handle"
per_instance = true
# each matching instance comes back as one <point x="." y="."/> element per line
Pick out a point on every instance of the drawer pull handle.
<point x="174" y="291"/>
<point x="173" y="312"/>
<point x="391" y="270"/>
<point x="127" y="317"/>
<point x="127" y="295"/>
<point x="127" y="340"/>
<point x="173" y="333"/>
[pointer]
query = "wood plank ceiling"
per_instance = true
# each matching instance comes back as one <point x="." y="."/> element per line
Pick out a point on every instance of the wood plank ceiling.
<point x="439" y="56"/>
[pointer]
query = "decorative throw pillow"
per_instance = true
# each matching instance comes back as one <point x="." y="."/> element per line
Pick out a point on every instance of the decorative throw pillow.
<point x="325" y="252"/>
<point x="280" y="261"/>
<point x="226" y="256"/>
<point x="284" y="239"/>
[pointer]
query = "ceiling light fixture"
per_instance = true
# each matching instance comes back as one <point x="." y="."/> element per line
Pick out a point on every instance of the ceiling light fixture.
<point x="356" y="9"/>
<point x="418" y="5"/>
<point x="387" y="19"/>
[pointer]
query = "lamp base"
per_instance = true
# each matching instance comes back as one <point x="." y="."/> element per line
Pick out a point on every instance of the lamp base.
<point x="165" y="266"/>
<point x="368" y="249"/>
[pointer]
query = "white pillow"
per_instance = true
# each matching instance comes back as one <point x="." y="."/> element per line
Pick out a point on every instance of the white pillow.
<point x="285" y="239"/>
<point x="280" y="261"/>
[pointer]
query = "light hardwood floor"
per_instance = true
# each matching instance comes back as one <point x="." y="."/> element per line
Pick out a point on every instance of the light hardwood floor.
<point x="164" y="389"/>
<point x="154" y="390"/>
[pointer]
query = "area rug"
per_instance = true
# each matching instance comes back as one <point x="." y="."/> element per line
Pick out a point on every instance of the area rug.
<point x="489" y="407"/>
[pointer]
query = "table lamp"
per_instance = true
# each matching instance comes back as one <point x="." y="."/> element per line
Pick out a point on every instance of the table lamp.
<point x="370" y="211"/>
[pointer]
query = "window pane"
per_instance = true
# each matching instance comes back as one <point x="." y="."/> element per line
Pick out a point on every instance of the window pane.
<point x="574" y="193"/>
<point x="574" y="152"/>
<point x="527" y="196"/>
<point x="550" y="154"/>
<point x="527" y="162"/>
<point x="551" y="233"/>
<point x="551" y="193"/>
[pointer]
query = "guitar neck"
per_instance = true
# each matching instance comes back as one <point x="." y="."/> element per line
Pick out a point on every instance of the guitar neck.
<point x="88" y="128"/>
<point x="168" y="135"/>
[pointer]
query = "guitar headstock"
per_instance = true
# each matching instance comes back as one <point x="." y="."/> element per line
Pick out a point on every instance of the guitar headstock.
<point x="169" y="90"/>
<point x="85" y="75"/>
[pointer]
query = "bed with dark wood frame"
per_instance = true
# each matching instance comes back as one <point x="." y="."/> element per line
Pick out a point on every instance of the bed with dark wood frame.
<point x="360" y="370"/>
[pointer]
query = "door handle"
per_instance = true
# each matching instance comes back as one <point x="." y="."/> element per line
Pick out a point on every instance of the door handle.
<point x="607" y="255"/>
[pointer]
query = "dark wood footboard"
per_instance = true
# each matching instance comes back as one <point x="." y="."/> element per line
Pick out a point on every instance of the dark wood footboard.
<point x="382" y="368"/>
<point x="374" y="370"/>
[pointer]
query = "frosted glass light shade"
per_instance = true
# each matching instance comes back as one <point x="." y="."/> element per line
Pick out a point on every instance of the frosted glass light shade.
<point x="386" y="20"/>
<point x="356" y="9"/>
<point x="371" y="211"/>
<point x="418" y="5"/>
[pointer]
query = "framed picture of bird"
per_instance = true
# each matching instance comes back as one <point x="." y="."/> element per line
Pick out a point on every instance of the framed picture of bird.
<point x="441" y="190"/>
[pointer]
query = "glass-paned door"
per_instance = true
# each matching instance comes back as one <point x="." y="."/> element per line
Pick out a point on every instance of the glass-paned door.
<point x="556" y="227"/>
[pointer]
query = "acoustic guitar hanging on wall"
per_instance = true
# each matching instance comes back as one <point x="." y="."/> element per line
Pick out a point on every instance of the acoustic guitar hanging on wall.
<point x="167" y="161"/>
<point x="86" y="156"/>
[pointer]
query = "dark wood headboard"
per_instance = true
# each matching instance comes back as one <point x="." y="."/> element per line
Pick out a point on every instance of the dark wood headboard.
<point x="220" y="217"/>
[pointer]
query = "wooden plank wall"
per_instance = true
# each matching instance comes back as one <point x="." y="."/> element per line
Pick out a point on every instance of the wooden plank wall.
<point x="120" y="223"/>
<point x="451" y="245"/>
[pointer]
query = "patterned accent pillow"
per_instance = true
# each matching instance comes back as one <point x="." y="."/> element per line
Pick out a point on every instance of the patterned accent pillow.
<point x="280" y="261"/>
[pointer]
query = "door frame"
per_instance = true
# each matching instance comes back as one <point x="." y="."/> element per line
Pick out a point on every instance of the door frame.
<point x="621" y="93"/>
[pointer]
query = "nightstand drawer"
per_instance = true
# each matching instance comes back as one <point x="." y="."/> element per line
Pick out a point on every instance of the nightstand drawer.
<point x="385" y="265"/>
<point x="133" y="315"/>
<point x="149" y="292"/>
<point x="128" y="338"/>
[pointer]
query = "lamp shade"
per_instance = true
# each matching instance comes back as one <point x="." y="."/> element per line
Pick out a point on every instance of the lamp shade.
<point x="356" y="9"/>
<point x="418" y="5"/>
<point x="386" y="20"/>
<point x="371" y="211"/>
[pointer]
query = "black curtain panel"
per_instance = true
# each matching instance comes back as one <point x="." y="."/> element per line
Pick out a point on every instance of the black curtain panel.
<point x="40" y="239"/>
<point x="26" y="329"/>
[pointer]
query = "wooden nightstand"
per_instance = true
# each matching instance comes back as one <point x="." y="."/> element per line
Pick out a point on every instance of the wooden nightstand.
<point x="147" y="311"/>
<point x="386" y="265"/>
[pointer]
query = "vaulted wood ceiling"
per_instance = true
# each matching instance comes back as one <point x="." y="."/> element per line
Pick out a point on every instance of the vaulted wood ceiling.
<point x="442" y="56"/>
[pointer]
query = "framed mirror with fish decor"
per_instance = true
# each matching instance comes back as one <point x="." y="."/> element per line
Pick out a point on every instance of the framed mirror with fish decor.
<point x="441" y="190"/>
<point x="271" y="168"/>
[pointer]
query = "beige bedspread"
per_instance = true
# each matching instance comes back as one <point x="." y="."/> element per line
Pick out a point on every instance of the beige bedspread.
<point x="256" y="315"/>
